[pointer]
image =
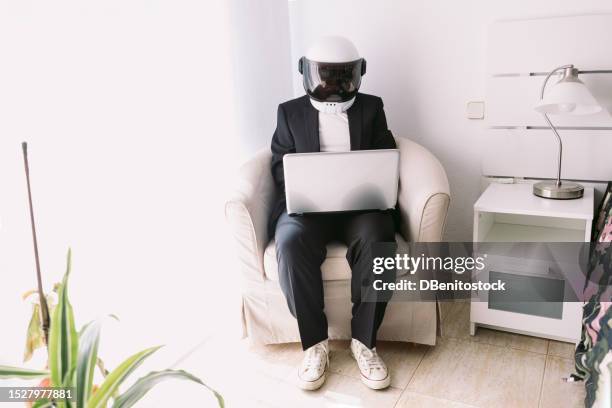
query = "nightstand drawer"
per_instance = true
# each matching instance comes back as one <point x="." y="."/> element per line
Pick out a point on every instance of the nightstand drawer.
<point x="565" y="329"/>
<point x="548" y="291"/>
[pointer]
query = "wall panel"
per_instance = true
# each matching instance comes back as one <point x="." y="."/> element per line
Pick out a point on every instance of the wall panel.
<point x="520" y="53"/>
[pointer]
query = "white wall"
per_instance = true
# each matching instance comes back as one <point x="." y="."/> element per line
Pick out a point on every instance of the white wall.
<point x="128" y="110"/>
<point x="426" y="60"/>
<point x="261" y="54"/>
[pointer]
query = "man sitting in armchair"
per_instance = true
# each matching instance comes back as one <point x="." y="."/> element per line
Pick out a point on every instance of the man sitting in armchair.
<point x="332" y="117"/>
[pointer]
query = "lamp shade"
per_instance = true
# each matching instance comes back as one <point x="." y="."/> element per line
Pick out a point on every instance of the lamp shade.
<point x="568" y="98"/>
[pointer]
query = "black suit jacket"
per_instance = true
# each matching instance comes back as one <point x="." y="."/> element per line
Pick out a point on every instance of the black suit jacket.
<point x="297" y="131"/>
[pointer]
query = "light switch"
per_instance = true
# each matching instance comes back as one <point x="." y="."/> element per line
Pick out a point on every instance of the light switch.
<point x="475" y="110"/>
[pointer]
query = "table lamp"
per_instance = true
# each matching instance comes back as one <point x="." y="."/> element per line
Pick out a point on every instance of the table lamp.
<point x="569" y="96"/>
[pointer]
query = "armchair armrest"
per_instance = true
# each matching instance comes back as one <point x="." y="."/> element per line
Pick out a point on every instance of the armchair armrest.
<point x="424" y="194"/>
<point x="247" y="213"/>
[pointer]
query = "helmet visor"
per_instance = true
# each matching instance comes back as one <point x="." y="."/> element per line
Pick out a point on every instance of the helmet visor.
<point x="332" y="82"/>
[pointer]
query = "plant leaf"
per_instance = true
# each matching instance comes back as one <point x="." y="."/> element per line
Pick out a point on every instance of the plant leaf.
<point x="86" y="361"/>
<point x="68" y="383"/>
<point x="146" y="383"/>
<point x="116" y="377"/>
<point x="42" y="403"/>
<point x="35" y="337"/>
<point x="112" y="316"/>
<point x="63" y="337"/>
<point x="28" y="294"/>
<point x="22" y="373"/>
<point x="102" y="368"/>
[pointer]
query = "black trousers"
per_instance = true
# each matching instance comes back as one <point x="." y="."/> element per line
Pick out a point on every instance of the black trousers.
<point x="301" y="249"/>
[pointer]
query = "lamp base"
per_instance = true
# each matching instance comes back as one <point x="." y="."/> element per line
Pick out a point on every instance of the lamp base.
<point x="550" y="189"/>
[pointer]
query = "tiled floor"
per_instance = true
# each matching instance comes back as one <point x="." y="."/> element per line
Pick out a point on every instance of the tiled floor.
<point x="491" y="369"/>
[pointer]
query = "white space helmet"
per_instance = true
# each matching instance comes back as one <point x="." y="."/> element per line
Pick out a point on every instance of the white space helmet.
<point x="332" y="71"/>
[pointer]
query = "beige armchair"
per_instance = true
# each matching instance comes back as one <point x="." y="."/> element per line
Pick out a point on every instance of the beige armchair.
<point x="423" y="201"/>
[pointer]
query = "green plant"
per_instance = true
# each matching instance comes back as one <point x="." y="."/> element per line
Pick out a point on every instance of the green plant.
<point x="73" y="357"/>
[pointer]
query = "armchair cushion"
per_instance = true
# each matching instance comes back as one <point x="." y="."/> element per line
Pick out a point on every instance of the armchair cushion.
<point x="334" y="268"/>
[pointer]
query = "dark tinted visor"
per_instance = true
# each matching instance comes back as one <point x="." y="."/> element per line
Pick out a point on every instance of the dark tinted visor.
<point x="332" y="82"/>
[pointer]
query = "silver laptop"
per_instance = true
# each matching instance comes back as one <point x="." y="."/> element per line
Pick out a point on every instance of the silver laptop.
<point x="341" y="181"/>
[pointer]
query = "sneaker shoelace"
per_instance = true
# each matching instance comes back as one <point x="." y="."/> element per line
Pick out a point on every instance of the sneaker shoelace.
<point x="370" y="359"/>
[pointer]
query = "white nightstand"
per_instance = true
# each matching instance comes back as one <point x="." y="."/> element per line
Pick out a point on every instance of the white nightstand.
<point x="511" y="213"/>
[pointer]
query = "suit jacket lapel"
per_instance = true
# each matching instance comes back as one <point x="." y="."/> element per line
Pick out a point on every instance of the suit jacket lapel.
<point x="354" y="118"/>
<point x="311" y="119"/>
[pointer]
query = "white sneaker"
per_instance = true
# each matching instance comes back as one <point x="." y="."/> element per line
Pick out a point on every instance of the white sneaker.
<point x="373" y="369"/>
<point x="311" y="374"/>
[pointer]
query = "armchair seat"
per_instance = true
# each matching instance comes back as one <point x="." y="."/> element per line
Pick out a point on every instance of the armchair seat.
<point x="334" y="268"/>
<point x="423" y="201"/>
